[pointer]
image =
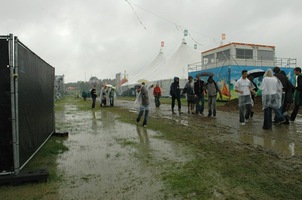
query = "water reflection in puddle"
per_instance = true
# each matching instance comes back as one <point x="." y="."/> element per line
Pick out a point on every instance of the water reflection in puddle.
<point x="284" y="139"/>
<point x="106" y="158"/>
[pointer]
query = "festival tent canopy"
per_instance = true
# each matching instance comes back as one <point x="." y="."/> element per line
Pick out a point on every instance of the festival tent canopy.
<point x="162" y="67"/>
<point x="144" y="73"/>
<point x="177" y="65"/>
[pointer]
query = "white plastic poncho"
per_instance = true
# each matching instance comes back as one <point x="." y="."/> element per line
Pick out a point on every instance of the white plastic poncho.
<point x="244" y="85"/>
<point x="143" y="102"/>
<point x="271" y="88"/>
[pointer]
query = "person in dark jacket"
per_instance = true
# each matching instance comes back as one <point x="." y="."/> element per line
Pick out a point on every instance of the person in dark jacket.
<point x="279" y="113"/>
<point x="199" y="92"/>
<point x="189" y="90"/>
<point x="297" y="94"/>
<point x="175" y="94"/>
<point x="288" y="100"/>
<point x="93" y="96"/>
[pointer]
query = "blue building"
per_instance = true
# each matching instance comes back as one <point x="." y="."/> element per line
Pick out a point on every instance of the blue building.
<point x="227" y="61"/>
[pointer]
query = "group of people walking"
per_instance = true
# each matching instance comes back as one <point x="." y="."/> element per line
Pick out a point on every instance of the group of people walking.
<point x="278" y="93"/>
<point x="195" y="92"/>
<point x="106" y="94"/>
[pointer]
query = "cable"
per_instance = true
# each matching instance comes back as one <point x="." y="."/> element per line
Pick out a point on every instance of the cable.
<point x="136" y="15"/>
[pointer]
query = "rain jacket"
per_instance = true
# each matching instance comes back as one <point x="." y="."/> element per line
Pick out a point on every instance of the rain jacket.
<point x="199" y="87"/>
<point x="271" y="92"/>
<point x="244" y="85"/>
<point x="212" y="89"/>
<point x="144" y="96"/>
<point x="189" y="89"/>
<point x="174" y="88"/>
<point x="156" y="91"/>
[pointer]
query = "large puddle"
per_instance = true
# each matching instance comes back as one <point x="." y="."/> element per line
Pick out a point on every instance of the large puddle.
<point x="283" y="140"/>
<point x="107" y="158"/>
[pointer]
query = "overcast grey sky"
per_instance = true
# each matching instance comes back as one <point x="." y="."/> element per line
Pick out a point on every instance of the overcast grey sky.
<point x="97" y="37"/>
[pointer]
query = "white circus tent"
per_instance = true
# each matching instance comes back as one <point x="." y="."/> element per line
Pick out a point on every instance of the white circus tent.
<point x="162" y="70"/>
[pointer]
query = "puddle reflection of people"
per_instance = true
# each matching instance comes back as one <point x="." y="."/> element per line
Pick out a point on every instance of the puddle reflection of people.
<point x="142" y="134"/>
<point x="94" y="122"/>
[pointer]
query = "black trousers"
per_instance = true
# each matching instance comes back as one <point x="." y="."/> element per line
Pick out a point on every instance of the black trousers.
<point x="93" y="102"/>
<point x="173" y="103"/>
<point x="294" y="113"/>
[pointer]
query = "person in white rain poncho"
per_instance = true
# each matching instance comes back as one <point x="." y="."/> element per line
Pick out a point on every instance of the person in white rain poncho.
<point x="271" y="97"/>
<point x="143" y="100"/>
<point x="244" y="87"/>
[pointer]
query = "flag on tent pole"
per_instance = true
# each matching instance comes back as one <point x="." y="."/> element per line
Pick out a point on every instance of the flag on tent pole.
<point x="162" y="43"/>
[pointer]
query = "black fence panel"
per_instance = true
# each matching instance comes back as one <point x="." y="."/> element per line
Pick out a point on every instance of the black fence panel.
<point x="35" y="102"/>
<point x="6" y="147"/>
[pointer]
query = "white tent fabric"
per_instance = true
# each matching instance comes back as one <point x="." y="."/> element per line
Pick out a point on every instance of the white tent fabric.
<point x="162" y="70"/>
<point x="144" y="73"/>
<point x="177" y="65"/>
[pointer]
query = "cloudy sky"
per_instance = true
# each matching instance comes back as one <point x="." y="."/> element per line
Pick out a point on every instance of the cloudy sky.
<point x="97" y="37"/>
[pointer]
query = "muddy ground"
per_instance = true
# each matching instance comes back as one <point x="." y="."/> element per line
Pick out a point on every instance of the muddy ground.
<point x="112" y="157"/>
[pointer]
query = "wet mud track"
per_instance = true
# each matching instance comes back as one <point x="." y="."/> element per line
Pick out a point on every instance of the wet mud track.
<point x="109" y="159"/>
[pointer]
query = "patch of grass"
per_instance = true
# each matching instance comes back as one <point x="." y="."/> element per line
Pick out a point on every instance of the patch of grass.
<point x="125" y="142"/>
<point x="46" y="157"/>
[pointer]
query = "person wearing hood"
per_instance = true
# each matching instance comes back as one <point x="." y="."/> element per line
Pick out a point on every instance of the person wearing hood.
<point x="271" y="88"/>
<point x="175" y="94"/>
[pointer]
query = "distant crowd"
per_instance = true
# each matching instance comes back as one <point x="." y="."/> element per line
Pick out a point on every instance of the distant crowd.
<point x="278" y="93"/>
